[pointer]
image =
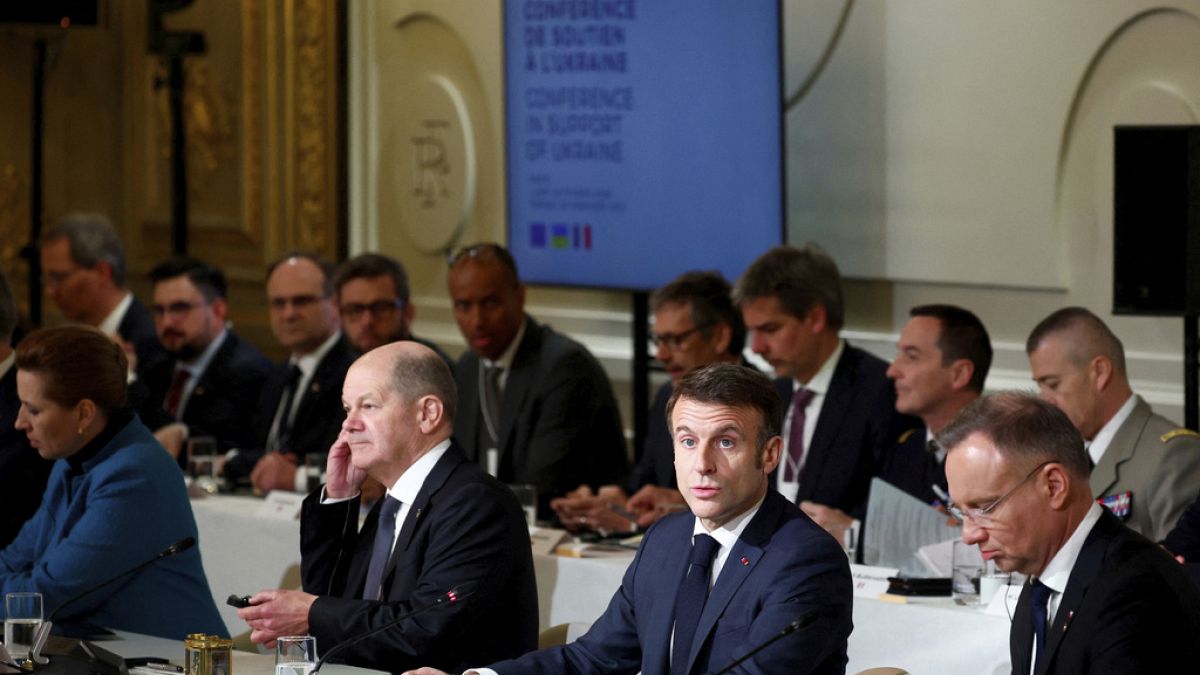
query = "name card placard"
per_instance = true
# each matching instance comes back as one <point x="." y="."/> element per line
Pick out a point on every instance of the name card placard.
<point x="281" y="505"/>
<point x="871" y="581"/>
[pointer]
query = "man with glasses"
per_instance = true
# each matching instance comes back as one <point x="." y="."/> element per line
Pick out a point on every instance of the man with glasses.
<point x="1100" y="598"/>
<point x="1146" y="468"/>
<point x="841" y="417"/>
<point x="537" y="408"/>
<point x="375" y="304"/>
<point x="83" y="272"/>
<point x="211" y="383"/>
<point x="695" y="324"/>
<point x="300" y="410"/>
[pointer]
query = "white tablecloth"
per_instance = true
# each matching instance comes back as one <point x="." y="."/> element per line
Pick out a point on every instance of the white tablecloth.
<point x="131" y="645"/>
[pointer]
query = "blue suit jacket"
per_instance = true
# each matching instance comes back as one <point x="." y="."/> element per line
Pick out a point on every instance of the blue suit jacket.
<point x="464" y="531"/>
<point x="129" y="504"/>
<point x="783" y="567"/>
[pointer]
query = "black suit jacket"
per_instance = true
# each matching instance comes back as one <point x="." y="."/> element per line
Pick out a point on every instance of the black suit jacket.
<point x="224" y="400"/>
<point x="857" y="427"/>
<point x="137" y="328"/>
<point x="656" y="464"/>
<point x="318" y="419"/>
<point x="559" y="428"/>
<point x="23" y="472"/>
<point x="911" y="467"/>
<point x="1128" y="608"/>
<point x="464" y="531"/>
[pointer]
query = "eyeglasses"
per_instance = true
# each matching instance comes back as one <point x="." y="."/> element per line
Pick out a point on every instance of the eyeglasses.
<point x="982" y="515"/>
<point x="675" y="340"/>
<point x="181" y="308"/>
<point x="354" y="310"/>
<point x="297" y="301"/>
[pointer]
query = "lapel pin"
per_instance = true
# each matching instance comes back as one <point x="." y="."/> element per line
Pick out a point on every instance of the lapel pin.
<point x="316" y="387"/>
<point x="745" y="561"/>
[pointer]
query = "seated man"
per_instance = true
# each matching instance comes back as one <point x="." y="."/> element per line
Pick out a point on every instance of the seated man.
<point x="1146" y="468"/>
<point x="942" y="360"/>
<point x="695" y="324"/>
<point x="537" y="408"/>
<point x="1101" y="598"/>
<point x="444" y="526"/>
<point x="842" y="417"/>
<point x="707" y="588"/>
<point x="298" y="411"/>
<point x="374" y="303"/>
<point x="83" y="272"/>
<point x="23" y="472"/>
<point x="210" y="384"/>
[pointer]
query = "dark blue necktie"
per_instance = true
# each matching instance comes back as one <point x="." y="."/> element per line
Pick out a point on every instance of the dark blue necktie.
<point x="690" y="602"/>
<point x="1039" y="596"/>
<point x="382" y="550"/>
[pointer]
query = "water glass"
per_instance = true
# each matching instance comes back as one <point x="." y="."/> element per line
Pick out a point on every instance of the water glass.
<point x="527" y="495"/>
<point x="295" y="655"/>
<point x="22" y="617"/>
<point x="967" y="567"/>
<point x="202" y="463"/>
<point x="314" y="470"/>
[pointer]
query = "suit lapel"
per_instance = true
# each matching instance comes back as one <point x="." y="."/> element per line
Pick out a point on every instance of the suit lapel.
<point x="465" y="428"/>
<point x="1020" y="642"/>
<point x="740" y="563"/>
<point x="517" y="384"/>
<point x="661" y="622"/>
<point x="1120" y="449"/>
<point x="1087" y="565"/>
<point x="833" y="410"/>
<point x="416" y="511"/>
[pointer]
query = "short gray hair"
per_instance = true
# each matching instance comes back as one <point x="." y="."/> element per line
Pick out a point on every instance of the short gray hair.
<point x="92" y="240"/>
<point x="426" y="374"/>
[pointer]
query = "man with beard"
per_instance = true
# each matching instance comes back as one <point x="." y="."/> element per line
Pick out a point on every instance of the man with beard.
<point x="210" y="385"/>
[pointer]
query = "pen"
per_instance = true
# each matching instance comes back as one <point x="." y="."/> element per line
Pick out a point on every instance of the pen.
<point x="945" y="498"/>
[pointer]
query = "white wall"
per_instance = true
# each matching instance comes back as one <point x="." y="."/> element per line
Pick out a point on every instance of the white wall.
<point x="950" y="151"/>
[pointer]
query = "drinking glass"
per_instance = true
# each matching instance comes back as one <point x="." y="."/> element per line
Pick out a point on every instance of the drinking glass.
<point x="966" y="570"/>
<point x="22" y="617"/>
<point x="295" y="655"/>
<point x="202" y="463"/>
<point x="527" y="495"/>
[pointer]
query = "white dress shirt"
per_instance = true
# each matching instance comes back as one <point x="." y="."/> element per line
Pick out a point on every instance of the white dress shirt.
<point x="819" y="386"/>
<point x="1058" y="570"/>
<point x="1104" y="437"/>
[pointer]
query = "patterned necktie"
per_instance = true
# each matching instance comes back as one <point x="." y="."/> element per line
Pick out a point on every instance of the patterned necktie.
<point x="1039" y="597"/>
<point x="795" y="448"/>
<point x="381" y="551"/>
<point x="690" y="602"/>
<point x="175" y="393"/>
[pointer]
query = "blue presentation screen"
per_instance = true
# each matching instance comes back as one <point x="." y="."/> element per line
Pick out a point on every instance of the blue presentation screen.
<point x="644" y="138"/>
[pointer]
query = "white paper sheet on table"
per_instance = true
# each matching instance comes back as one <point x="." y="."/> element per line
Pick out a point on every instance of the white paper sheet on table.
<point x="897" y="526"/>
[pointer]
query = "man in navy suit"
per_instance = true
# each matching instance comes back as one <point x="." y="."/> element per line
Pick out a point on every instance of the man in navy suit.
<point x="706" y="589"/>
<point x="1100" y="597"/>
<point x="83" y="272"/>
<point x="444" y="526"/>
<point x="211" y="383"/>
<point x="537" y="407"/>
<point x="841" y="418"/>
<point x="299" y="411"/>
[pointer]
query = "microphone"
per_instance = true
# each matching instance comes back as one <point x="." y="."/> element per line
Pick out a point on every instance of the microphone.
<point x="43" y="632"/>
<point x="448" y="598"/>
<point x="796" y="624"/>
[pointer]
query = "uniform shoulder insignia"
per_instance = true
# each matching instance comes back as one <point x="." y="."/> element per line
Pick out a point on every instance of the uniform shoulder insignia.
<point x="1176" y="433"/>
<point x="904" y="436"/>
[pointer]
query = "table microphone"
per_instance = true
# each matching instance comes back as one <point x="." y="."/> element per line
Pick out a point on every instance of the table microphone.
<point x="43" y="632"/>
<point x="450" y="597"/>
<point x="796" y="624"/>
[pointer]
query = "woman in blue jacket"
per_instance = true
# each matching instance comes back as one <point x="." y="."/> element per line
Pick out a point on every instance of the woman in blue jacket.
<point x="115" y="498"/>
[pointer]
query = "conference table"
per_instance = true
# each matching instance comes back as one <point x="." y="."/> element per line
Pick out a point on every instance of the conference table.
<point x="244" y="552"/>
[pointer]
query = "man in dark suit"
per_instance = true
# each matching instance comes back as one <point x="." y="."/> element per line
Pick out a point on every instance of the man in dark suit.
<point x="942" y="360"/>
<point x="83" y="272"/>
<point x="695" y="324"/>
<point x="1146" y="469"/>
<point x="211" y="383"/>
<point x="23" y="472"/>
<point x="444" y="526"/>
<point x="300" y="409"/>
<point x="1100" y="598"/>
<point x="537" y="407"/>
<point x="375" y="304"/>
<point x="841" y="416"/>
<point x="708" y="588"/>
